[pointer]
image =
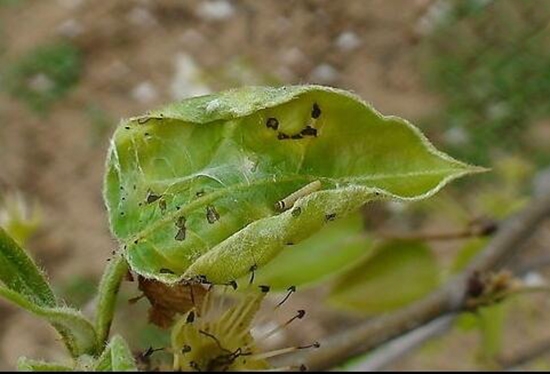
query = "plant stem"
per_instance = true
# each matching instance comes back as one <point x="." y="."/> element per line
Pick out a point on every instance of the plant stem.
<point x="107" y="294"/>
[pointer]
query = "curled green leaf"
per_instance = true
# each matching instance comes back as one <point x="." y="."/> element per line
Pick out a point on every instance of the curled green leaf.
<point x="217" y="184"/>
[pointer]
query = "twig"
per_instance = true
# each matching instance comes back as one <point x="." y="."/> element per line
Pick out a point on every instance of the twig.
<point x="450" y="298"/>
<point x="391" y="351"/>
<point x="525" y="355"/>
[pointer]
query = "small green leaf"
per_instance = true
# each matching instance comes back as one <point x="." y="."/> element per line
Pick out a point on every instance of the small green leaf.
<point x="192" y="189"/>
<point x="317" y="258"/>
<point x="19" y="273"/>
<point x="116" y="357"/>
<point x="27" y="364"/>
<point x="78" y="333"/>
<point x="398" y="273"/>
<point x="26" y="286"/>
<point x="468" y="251"/>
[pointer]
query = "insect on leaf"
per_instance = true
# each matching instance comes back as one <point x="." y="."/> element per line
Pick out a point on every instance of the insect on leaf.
<point x="216" y="184"/>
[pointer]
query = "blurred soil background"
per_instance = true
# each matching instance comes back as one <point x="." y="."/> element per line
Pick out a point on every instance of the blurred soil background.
<point x="473" y="75"/>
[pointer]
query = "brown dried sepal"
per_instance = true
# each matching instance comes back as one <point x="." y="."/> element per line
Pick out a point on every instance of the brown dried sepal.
<point x="167" y="301"/>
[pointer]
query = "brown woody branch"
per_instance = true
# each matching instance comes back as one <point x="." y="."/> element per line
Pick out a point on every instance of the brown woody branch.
<point x="450" y="298"/>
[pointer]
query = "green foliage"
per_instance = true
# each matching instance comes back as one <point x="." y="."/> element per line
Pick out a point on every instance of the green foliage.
<point x="116" y="357"/>
<point x="192" y="188"/>
<point x="24" y="285"/>
<point x="398" y="273"/>
<point x="494" y="75"/>
<point x="319" y="257"/>
<point x="44" y="75"/>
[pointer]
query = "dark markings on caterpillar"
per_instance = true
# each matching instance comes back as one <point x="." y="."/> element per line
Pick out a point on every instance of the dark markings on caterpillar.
<point x="166" y="271"/>
<point x="288" y="202"/>
<point x="309" y="131"/>
<point x="330" y="217"/>
<point x="151" y="197"/>
<point x="315" y="111"/>
<point x="272" y="123"/>
<point x="211" y="214"/>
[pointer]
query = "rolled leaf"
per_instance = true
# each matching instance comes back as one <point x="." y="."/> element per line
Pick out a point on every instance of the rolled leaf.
<point x="217" y="184"/>
<point x="324" y="255"/>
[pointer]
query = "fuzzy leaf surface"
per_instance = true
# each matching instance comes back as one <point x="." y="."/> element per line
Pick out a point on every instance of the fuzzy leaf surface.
<point x="216" y="165"/>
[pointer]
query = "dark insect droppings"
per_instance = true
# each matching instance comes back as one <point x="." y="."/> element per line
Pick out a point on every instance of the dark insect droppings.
<point x="282" y="136"/>
<point x="309" y="131"/>
<point x="330" y="217"/>
<point x="211" y="214"/>
<point x="180" y="222"/>
<point x="166" y="271"/>
<point x="180" y="235"/>
<point x="152" y="197"/>
<point x="296" y="211"/>
<point x="296" y="136"/>
<point x="185" y="349"/>
<point x="315" y="111"/>
<point x="272" y="123"/>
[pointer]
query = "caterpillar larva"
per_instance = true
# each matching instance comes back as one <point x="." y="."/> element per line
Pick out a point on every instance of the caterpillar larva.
<point x="289" y="201"/>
